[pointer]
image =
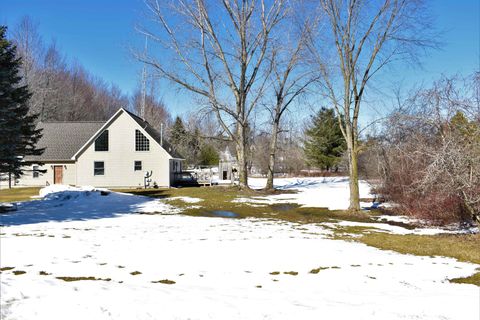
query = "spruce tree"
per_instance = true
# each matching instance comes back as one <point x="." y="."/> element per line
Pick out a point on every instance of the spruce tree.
<point x="18" y="135"/>
<point x="178" y="133"/>
<point x="208" y="155"/>
<point x="324" y="143"/>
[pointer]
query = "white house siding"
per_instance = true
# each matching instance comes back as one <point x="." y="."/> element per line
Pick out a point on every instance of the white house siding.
<point x="43" y="179"/>
<point x="120" y="157"/>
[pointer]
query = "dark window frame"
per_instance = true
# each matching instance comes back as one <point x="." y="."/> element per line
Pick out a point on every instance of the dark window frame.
<point x="142" y="143"/>
<point x="136" y="166"/>
<point x="35" y="172"/>
<point x="99" y="171"/>
<point x="102" y="141"/>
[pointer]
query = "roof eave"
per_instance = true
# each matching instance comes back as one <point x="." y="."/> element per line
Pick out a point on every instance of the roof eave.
<point x="109" y="121"/>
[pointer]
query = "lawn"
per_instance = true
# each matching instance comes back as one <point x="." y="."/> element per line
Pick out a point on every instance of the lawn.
<point x="462" y="247"/>
<point x="112" y="251"/>
<point x="18" y="194"/>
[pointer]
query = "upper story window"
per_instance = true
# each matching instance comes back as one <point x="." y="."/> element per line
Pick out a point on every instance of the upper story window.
<point x="141" y="142"/>
<point x="35" y="171"/>
<point x="101" y="143"/>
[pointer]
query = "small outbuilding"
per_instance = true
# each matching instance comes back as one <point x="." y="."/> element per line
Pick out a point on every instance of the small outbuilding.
<point x="227" y="166"/>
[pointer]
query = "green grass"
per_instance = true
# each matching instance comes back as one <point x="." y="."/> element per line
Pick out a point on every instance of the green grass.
<point x="18" y="194"/>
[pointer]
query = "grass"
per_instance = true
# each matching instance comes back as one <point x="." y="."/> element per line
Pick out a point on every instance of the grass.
<point x="72" y="279"/>
<point x="7" y="268"/>
<point x="164" y="281"/>
<point x="461" y="247"/>
<point x="18" y="272"/>
<point x="220" y="198"/>
<point x="474" y="279"/>
<point x="18" y="194"/>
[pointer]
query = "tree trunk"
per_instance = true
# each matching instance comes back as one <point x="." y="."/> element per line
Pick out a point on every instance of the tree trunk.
<point x="271" y="160"/>
<point x="9" y="180"/>
<point x="353" y="175"/>
<point x="241" y="157"/>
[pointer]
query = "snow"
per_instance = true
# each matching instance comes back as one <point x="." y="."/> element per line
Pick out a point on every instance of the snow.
<point x="187" y="199"/>
<point x="328" y="192"/>
<point x="66" y="203"/>
<point x="217" y="264"/>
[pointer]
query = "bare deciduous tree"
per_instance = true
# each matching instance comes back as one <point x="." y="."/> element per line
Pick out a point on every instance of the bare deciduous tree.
<point x="289" y="79"/>
<point x="366" y="36"/>
<point x="217" y="50"/>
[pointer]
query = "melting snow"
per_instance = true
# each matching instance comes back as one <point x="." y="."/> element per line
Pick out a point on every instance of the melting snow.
<point x="221" y="268"/>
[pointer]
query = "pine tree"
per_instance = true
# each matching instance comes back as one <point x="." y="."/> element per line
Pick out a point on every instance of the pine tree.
<point x="178" y="133"/>
<point x="324" y="144"/>
<point x="208" y="155"/>
<point x="18" y="135"/>
<point x="187" y="143"/>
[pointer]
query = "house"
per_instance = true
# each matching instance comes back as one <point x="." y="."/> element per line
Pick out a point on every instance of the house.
<point x="117" y="153"/>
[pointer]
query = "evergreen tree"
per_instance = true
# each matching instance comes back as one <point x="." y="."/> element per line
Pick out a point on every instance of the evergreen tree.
<point x="185" y="142"/>
<point x="324" y="143"/>
<point x="208" y="155"/>
<point x="178" y="133"/>
<point x="18" y="135"/>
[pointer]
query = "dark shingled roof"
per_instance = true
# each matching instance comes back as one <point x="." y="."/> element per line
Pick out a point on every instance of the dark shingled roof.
<point x="62" y="140"/>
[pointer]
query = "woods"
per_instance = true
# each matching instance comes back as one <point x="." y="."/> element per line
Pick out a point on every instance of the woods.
<point x="62" y="90"/>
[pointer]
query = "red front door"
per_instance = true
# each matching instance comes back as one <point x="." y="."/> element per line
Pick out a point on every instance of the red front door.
<point x="58" y="174"/>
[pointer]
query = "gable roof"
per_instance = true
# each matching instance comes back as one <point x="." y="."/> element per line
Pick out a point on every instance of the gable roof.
<point x="145" y="126"/>
<point x="152" y="132"/>
<point x="62" y="140"/>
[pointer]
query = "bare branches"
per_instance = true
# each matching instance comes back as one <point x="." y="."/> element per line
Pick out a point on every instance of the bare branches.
<point x="227" y="69"/>
<point x="367" y="36"/>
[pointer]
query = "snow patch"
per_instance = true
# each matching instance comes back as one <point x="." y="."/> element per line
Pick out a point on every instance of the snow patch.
<point x="187" y="199"/>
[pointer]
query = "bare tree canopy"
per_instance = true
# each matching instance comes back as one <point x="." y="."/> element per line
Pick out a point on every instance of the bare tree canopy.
<point x="217" y="51"/>
<point x="61" y="90"/>
<point x="365" y="37"/>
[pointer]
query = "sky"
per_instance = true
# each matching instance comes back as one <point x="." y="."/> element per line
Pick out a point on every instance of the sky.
<point x="99" y="33"/>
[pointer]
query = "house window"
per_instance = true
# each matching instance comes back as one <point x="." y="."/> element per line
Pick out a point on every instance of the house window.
<point x="141" y="142"/>
<point x="98" y="168"/>
<point x="137" y="166"/>
<point x="35" y="171"/>
<point x="101" y="143"/>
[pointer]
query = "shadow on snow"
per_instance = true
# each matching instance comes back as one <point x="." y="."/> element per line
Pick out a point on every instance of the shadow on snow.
<point x="73" y="206"/>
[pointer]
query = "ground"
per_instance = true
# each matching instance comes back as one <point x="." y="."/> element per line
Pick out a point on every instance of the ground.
<point x="220" y="253"/>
